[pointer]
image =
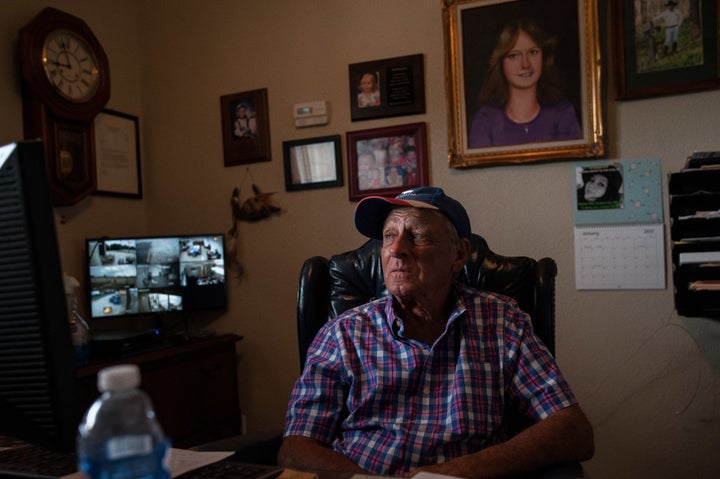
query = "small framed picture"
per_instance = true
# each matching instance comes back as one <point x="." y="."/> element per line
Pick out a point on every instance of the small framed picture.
<point x="388" y="87"/>
<point x="313" y="163"/>
<point x="117" y="154"/>
<point x="245" y="127"/>
<point x="387" y="161"/>
<point x="665" y="47"/>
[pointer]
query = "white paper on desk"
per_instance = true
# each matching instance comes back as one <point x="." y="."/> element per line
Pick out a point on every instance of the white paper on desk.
<point x="181" y="461"/>
<point x="419" y="475"/>
<point x="432" y="475"/>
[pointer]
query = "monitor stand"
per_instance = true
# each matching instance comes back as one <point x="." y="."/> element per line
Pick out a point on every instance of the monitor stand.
<point x="112" y="344"/>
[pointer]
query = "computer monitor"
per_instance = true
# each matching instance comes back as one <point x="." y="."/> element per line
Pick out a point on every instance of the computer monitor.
<point x="38" y="390"/>
<point x="155" y="275"/>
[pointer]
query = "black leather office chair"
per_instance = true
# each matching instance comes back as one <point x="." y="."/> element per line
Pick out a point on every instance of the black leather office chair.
<point x="330" y="287"/>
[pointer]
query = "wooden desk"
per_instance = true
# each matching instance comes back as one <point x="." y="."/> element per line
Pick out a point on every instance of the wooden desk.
<point x="193" y="386"/>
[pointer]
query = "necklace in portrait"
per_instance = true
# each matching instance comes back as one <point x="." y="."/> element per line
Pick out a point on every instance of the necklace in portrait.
<point x="523" y="122"/>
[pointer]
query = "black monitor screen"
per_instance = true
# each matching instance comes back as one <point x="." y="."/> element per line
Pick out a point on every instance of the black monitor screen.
<point x="38" y="391"/>
<point x="156" y="275"/>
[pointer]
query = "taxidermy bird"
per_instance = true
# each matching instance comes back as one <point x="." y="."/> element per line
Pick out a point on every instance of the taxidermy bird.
<point x="257" y="207"/>
<point x="253" y="209"/>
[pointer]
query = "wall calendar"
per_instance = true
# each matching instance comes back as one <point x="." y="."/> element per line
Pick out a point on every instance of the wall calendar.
<point x="619" y="231"/>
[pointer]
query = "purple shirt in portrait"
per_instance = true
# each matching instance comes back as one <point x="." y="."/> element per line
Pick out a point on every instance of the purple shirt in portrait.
<point x="492" y="127"/>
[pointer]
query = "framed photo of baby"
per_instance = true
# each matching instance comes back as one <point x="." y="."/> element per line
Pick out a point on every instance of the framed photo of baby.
<point x="387" y="87"/>
<point x="386" y="161"/>
<point x="523" y="81"/>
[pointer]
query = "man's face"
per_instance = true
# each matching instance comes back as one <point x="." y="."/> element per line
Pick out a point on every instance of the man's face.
<point x="419" y="259"/>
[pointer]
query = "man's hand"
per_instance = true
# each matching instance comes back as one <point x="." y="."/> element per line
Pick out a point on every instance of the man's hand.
<point x="563" y="437"/>
<point x="307" y="454"/>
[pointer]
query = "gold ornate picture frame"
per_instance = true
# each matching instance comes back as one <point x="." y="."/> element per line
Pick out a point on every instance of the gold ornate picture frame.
<point x="472" y="30"/>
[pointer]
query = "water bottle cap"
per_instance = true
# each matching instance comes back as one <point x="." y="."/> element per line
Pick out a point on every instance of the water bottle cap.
<point x="116" y="378"/>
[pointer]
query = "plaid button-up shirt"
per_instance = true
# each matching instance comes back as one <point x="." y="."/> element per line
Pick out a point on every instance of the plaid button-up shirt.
<point x="390" y="403"/>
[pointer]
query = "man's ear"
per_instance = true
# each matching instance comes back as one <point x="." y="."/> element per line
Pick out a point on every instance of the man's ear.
<point x="463" y="251"/>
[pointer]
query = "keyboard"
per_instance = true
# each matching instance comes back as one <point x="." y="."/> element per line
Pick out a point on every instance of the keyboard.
<point x="36" y="462"/>
<point x="228" y="469"/>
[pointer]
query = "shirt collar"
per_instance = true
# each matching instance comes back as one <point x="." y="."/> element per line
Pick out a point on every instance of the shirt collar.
<point x="396" y="325"/>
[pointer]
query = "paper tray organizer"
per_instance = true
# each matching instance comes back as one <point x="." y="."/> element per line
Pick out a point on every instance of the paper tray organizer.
<point x="695" y="235"/>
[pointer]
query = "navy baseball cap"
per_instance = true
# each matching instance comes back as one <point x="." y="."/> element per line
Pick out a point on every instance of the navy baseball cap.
<point x="371" y="212"/>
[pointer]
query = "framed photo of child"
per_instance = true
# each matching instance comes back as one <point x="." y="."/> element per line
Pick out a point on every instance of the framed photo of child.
<point x="665" y="47"/>
<point x="245" y="127"/>
<point x="523" y="81"/>
<point x="386" y="88"/>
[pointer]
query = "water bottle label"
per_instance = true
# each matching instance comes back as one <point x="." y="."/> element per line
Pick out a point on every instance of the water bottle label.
<point x="153" y="465"/>
<point x="125" y="446"/>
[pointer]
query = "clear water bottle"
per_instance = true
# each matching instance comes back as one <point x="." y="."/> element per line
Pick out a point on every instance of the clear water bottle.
<point x="78" y="327"/>
<point x="119" y="437"/>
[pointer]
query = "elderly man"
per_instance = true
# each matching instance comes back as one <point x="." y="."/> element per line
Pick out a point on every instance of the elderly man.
<point x="426" y="377"/>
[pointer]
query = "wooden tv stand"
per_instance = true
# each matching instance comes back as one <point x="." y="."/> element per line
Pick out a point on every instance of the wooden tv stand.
<point x="193" y="386"/>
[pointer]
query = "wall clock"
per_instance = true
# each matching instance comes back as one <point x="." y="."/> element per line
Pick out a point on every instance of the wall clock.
<point x="65" y="83"/>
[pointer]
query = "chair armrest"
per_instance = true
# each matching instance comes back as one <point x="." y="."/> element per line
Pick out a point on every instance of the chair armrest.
<point x="255" y="448"/>
<point x="312" y="302"/>
<point x="546" y="271"/>
<point x="570" y="470"/>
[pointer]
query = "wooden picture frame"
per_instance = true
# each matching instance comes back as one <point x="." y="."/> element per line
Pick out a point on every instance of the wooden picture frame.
<point x="313" y="163"/>
<point x="396" y="86"/>
<point x="118" y="170"/>
<point x="245" y="127"/>
<point x="567" y="32"/>
<point x="644" y="67"/>
<point x="387" y="161"/>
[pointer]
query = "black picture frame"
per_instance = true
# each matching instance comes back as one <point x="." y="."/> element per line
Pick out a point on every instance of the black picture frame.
<point x="644" y="69"/>
<point x="400" y="87"/>
<point x="118" y="169"/>
<point x="246" y="141"/>
<point x="313" y="163"/>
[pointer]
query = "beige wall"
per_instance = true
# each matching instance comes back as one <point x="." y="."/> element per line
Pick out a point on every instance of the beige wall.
<point x="648" y="379"/>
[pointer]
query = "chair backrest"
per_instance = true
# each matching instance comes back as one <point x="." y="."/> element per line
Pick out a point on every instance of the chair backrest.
<point x="330" y="287"/>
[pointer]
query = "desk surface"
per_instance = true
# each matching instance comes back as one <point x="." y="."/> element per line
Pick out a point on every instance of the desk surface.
<point x="262" y="447"/>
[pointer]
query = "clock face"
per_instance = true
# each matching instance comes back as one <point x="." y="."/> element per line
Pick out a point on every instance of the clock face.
<point x="70" y="65"/>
